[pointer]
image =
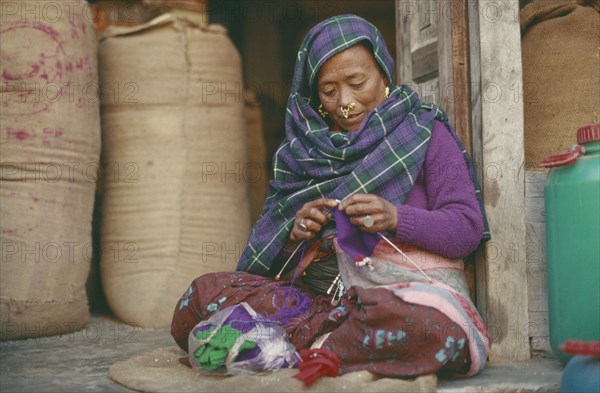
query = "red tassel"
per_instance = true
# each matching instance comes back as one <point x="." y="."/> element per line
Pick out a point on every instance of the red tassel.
<point x="574" y="347"/>
<point x="317" y="363"/>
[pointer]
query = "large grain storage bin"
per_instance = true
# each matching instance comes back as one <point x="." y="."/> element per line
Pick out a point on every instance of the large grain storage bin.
<point x="561" y="71"/>
<point x="49" y="146"/>
<point x="255" y="171"/>
<point x="176" y="205"/>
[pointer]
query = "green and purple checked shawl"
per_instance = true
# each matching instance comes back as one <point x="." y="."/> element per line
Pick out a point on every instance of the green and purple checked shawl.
<point x="383" y="157"/>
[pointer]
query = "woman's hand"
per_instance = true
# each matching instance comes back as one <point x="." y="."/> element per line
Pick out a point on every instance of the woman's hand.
<point x="310" y="219"/>
<point x="365" y="209"/>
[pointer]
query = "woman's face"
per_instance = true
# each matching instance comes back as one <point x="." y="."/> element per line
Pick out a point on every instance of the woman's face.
<point x="351" y="76"/>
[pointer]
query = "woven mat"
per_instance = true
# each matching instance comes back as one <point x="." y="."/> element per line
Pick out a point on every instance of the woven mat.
<point x="161" y="371"/>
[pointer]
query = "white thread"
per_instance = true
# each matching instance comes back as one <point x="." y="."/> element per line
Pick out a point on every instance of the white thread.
<point x="406" y="256"/>
<point x="289" y="259"/>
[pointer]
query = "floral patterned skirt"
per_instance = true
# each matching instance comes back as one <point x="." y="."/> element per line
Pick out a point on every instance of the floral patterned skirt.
<point x="371" y="329"/>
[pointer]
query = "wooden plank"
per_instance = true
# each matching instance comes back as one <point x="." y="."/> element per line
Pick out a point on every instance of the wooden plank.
<point x="416" y="46"/>
<point x="477" y="146"/>
<point x="457" y="94"/>
<point x="425" y="62"/>
<point x="423" y="21"/>
<point x="429" y="90"/>
<point x="539" y="334"/>
<point x="426" y="13"/>
<point x="534" y="209"/>
<point x="535" y="252"/>
<point x="461" y="67"/>
<point x="534" y="183"/>
<point x="537" y="269"/>
<point x="537" y="272"/>
<point x="538" y="322"/>
<point x="404" y="62"/>
<point x="504" y="198"/>
<point x="445" y="60"/>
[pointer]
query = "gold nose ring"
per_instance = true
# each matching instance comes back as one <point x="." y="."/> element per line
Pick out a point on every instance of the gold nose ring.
<point x="346" y="109"/>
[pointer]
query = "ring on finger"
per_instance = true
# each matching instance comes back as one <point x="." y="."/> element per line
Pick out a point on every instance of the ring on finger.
<point x="302" y="226"/>
<point x="368" y="221"/>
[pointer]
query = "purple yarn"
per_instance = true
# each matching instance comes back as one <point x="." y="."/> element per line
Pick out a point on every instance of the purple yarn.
<point x="249" y="354"/>
<point x="199" y="329"/>
<point x="295" y="302"/>
<point x="239" y="319"/>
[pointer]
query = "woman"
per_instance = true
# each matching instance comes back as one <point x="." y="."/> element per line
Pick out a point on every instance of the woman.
<point x="370" y="212"/>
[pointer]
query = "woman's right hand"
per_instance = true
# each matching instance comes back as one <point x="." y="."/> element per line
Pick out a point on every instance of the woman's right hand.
<point x="310" y="219"/>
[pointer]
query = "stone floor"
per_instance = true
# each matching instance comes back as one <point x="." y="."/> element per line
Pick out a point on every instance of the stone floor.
<point x="75" y="362"/>
<point x="79" y="362"/>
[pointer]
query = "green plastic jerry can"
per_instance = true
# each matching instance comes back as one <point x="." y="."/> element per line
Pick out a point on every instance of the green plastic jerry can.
<point x="572" y="205"/>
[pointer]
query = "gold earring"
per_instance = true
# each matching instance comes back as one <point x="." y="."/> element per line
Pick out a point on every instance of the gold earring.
<point x="387" y="93"/>
<point x="322" y="111"/>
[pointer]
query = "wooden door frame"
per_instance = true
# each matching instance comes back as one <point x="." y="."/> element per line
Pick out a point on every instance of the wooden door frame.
<point x="501" y="145"/>
<point x="482" y="63"/>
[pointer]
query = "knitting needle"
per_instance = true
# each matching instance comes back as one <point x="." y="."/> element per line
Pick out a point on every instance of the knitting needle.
<point x="278" y="276"/>
<point x="406" y="256"/>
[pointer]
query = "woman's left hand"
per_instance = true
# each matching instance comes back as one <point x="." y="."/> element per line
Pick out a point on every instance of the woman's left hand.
<point x="365" y="209"/>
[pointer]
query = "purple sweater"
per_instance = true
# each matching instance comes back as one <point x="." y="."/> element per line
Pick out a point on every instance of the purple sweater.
<point x="441" y="213"/>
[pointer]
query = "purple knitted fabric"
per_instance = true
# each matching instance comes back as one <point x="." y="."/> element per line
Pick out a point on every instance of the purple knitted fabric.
<point x="355" y="243"/>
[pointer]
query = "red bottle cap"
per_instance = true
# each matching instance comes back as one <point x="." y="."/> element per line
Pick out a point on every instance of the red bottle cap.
<point x="585" y="134"/>
<point x="588" y="133"/>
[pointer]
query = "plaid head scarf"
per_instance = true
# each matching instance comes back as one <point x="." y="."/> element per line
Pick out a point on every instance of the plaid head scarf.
<point x="383" y="157"/>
